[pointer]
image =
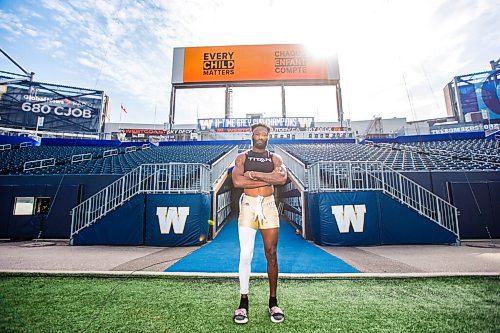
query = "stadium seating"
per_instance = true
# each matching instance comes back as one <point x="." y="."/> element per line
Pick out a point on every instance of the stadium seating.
<point x="475" y="149"/>
<point x="398" y="158"/>
<point x="12" y="161"/>
<point x="117" y="164"/>
<point x="473" y="154"/>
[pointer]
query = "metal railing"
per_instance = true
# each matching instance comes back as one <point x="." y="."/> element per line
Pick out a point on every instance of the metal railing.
<point x="6" y="146"/>
<point x="110" y="152"/>
<point x="219" y="166"/>
<point x="130" y="149"/>
<point x="373" y="175"/>
<point x="81" y="158"/>
<point x="293" y="164"/>
<point x="147" y="178"/>
<point x="25" y="144"/>
<point x="38" y="164"/>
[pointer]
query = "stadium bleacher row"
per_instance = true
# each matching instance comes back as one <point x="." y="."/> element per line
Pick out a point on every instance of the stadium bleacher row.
<point x="12" y="161"/>
<point x="473" y="154"/>
<point x="477" y="149"/>
<point x="397" y="158"/>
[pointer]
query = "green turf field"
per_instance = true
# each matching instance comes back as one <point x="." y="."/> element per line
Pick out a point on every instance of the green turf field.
<point x="77" y="304"/>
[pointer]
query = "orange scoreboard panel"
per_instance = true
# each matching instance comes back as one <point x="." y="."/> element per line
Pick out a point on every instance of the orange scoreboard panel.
<point x="252" y="63"/>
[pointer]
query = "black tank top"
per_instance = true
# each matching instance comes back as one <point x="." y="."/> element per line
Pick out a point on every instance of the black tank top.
<point x="261" y="162"/>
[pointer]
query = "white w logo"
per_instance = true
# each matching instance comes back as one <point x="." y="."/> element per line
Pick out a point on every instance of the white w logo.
<point x="349" y="214"/>
<point x="168" y="216"/>
<point x="206" y="124"/>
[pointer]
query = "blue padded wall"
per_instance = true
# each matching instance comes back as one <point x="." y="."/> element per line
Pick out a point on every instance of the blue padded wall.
<point x="313" y="221"/>
<point x="479" y="209"/>
<point x="386" y="221"/>
<point x="64" y="192"/>
<point x="494" y="228"/>
<point x="58" y="222"/>
<point x="400" y="224"/>
<point x="330" y="233"/>
<point x="16" y="140"/>
<point x="79" y="142"/>
<point x="137" y="223"/>
<point x="5" y="209"/>
<point x="123" y="226"/>
<point x="25" y="226"/>
<point x="196" y="226"/>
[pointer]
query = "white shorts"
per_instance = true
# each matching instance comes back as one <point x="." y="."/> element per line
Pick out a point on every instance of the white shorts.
<point x="258" y="212"/>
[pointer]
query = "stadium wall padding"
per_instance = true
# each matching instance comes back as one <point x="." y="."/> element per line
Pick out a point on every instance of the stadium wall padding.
<point x="195" y="230"/>
<point x="137" y="222"/>
<point x="54" y="225"/>
<point x="400" y="224"/>
<point x="16" y="140"/>
<point x="5" y="210"/>
<point x="494" y="188"/>
<point x="123" y="226"/>
<point x="79" y="142"/>
<point x="65" y="193"/>
<point x="330" y="234"/>
<point x="471" y="224"/>
<point x="386" y="221"/>
<point x="479" y="207"/>
<point x="135" y="144"/>
<point x="25" y="226"/>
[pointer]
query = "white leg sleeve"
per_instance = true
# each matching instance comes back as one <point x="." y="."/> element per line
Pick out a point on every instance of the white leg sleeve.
<point x="247" y="242"/>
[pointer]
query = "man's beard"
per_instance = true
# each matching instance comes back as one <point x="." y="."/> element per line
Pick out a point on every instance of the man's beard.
<point x="260" y="145"/>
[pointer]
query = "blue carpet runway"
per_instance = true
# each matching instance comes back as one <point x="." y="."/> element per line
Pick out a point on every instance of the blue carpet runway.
<point x="295" y="255"/>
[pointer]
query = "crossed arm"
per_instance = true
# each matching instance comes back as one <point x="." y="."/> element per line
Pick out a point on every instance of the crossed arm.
<point x="254" y="179"/>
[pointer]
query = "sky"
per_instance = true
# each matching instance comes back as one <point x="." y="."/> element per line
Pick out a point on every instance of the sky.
<point x="395" y="56"/>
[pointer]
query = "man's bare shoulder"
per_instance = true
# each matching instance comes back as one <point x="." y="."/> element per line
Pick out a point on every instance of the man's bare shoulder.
<point x="240" y="158"/>
<point x="277" y="158"/>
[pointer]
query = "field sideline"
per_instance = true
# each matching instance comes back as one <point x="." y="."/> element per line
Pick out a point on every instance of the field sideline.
<point x="37" y="303"/>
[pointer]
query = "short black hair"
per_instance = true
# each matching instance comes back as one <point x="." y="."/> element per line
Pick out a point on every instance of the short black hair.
<point x="254" y="126"/>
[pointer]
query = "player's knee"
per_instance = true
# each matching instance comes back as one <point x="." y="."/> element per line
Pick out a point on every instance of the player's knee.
<point x="246" y="257"/>
<point x="271" y="253"/>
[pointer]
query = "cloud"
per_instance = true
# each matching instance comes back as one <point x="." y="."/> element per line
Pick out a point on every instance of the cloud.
<point x="58" y="54"/>
<point x="49" y="44"/>
<point x="14" y="25"/>
<point x="125" y="47"/>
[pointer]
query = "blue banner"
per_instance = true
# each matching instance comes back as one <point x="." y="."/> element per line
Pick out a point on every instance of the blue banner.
<point x="51" y="107"/>
<point x="480" y="99"/>
<point x="274" y="122"/>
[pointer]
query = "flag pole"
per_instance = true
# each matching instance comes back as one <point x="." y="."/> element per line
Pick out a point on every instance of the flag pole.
<point x="120" y="124"/>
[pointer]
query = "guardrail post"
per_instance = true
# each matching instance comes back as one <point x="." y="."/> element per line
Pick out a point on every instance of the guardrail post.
<point x="106" y="201"/>
<point x="438" y="211"/>
<point x="383" y="177"/>
<point x="72" y="213"/>
<point x="169" y="176"/>
<point x="89" y="215"/>
<point x="140" y="179"/>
